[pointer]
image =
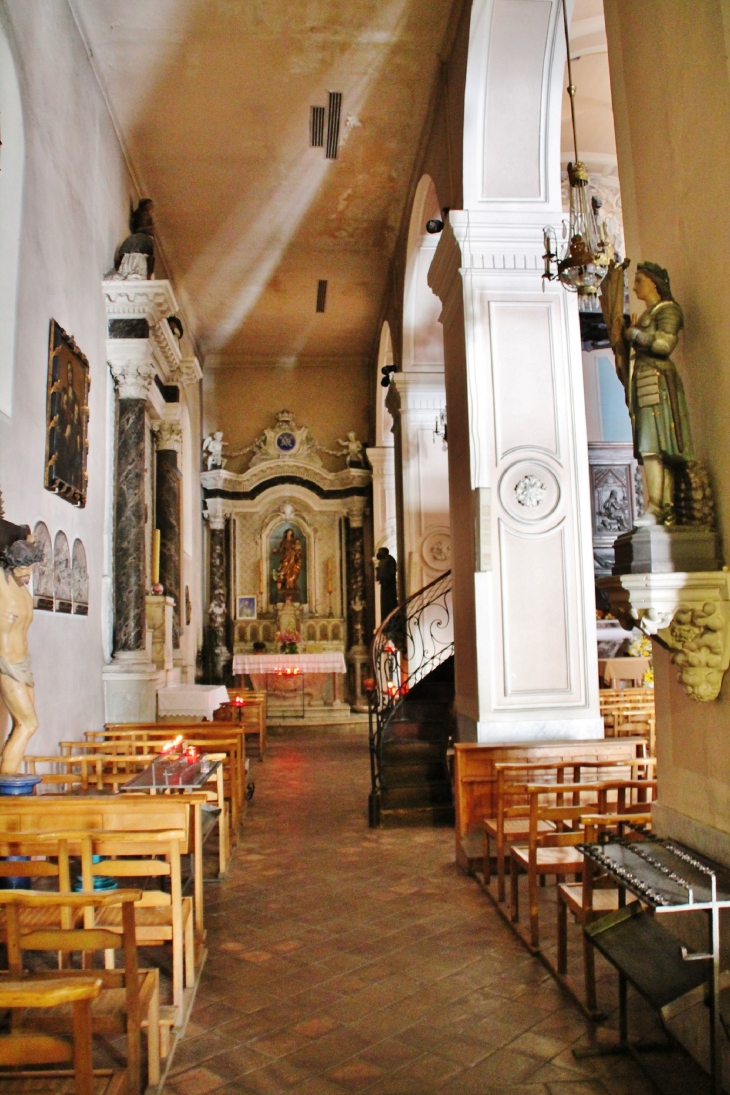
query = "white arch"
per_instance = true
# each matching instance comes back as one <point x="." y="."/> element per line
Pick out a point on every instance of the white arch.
<point x="423" y="344"/>
<point x="12" y="160"/>
<point x="383" y="419"/>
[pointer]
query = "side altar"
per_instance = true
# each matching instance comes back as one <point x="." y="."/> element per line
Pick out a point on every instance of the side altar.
<point x="288" y="574"/>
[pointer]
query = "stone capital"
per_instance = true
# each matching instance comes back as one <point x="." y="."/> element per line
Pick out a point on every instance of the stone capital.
<point x="130" y="361"/>
<point x="215" y="514"/>
<point x="168" y="433"/>
<point x="356" y="509"/>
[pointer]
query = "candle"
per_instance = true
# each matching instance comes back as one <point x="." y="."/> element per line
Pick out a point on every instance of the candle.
<point x="155" y="557"/>
<point x="261" y="577"/>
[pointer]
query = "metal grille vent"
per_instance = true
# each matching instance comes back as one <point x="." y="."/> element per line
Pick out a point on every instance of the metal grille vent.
<point x="316" y="126"/>
<point x="333" y="124"/>
<point x="321" y="295"/>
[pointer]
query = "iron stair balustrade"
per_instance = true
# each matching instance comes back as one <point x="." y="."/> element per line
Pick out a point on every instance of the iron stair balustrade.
<point x="410" y="643"/>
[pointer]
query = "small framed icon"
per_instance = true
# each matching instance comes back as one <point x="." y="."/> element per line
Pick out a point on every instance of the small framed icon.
<point x="246" y="608"/>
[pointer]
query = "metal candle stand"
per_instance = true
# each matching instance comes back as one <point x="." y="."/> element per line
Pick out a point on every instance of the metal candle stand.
<point x="626" y="937"/>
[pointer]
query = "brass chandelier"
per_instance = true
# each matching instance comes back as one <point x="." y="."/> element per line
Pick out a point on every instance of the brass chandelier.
<point x="584" y="262"/>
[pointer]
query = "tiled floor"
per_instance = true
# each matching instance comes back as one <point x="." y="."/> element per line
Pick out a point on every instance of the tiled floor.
<point x="343" y="960"/>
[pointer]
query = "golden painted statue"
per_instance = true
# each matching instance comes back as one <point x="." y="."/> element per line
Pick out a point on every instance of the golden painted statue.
<point x="654" y="391"/>
<point x="287" y="573"/>
<point x="16" y="678"/>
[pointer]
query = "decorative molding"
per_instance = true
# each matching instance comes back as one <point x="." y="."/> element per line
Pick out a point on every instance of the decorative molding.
<point x="169" y="435"/>
<point x="188" y="371"/>
<point x="689" y="613"/>
<point x="232" y="484"/>
<point x="131" y="365"/>
<point x="150" y="300"/>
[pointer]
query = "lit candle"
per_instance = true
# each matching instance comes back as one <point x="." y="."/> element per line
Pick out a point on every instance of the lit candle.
<point x="155" y="557"/>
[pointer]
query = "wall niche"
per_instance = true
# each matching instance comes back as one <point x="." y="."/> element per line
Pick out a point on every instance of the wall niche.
<point x="62" y="575"/>
<point x="80" y="580"/>
<point x="43" y="571"/>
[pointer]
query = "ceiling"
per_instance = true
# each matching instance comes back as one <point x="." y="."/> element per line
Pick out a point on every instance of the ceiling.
<point x="212" y="99"/>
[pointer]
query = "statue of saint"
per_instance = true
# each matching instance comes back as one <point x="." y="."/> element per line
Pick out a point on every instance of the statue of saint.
<point x="135" y="257"/>
<point x="214" y="446"/>
<point x="16" y="678"/>
<point x="287" y="573"/>
<point x="385" y="573"/>
<point x="654" y="391"/>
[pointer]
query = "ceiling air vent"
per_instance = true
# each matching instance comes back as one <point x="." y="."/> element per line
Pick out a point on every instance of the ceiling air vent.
<point x="316" y="126"/>
<point x="333" y="124"/>
<point x="321" y="295"/>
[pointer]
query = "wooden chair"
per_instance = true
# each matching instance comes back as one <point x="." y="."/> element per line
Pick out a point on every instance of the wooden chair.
<point x="504" y="830"/>
<point x="31" y="1050"/>
<point x="68" y="773"/>
<point x="125" y="995"/>
<point x="594" y="897"/>
<point x="249" y="710"/>
<point x="551" y="852"/>
<point x="161" y="918"/>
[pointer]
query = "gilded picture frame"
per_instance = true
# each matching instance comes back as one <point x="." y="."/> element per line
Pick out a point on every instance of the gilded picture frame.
<point x="67" y="418"/>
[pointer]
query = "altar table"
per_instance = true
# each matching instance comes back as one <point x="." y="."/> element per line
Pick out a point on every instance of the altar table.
<point x="196" y="700"/>
<point x="329" y="661"/>
<point x="614" y="670"/>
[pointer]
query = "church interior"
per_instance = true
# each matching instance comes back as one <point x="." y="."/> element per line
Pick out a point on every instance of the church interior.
<point x="364" y="620"/>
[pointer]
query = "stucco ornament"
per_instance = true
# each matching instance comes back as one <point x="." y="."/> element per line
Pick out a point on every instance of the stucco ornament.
<point x="699" y="638"/>
<point x="530" y="491"/>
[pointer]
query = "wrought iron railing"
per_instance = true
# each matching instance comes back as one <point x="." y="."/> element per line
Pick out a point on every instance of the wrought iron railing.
<point x="409" y="644"/>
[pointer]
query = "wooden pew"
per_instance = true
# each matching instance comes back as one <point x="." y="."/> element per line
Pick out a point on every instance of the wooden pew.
<point x="475" y="780"/>
<point x="249" y="710"/>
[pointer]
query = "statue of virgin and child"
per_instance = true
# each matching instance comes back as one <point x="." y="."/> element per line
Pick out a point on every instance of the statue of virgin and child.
<point x="654" y="391"/>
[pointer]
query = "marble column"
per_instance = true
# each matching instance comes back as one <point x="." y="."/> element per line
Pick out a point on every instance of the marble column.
<point x="357" y="655"/>
<point x="133" y="372"/>
<point x="218" y="603"/>
<point x="167" y="517"/>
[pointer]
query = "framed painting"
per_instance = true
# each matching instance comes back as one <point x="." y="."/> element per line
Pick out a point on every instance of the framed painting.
<point x="67" y="418"/>
<point x="246" y="608"/>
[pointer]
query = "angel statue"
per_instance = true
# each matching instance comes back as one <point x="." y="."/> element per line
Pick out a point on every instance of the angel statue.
<point x="351" y="450"/>
<point x="654" y="391"/>
<point x="214" y="445"/>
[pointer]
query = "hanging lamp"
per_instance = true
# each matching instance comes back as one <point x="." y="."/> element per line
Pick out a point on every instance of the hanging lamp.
<point x="583" y="264"/>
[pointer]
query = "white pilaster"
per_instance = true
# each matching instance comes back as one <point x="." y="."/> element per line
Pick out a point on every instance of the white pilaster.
<point x="525" y="640"/>
<point x="415" y="399"/>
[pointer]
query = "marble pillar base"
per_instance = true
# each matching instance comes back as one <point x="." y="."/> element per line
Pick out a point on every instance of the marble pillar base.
<point x="657" y="549"/>
<point x="491" y="733"/>
<point x="130" y="688"/>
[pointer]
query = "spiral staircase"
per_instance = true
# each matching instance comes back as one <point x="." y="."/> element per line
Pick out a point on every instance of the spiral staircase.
<point x="411" y="703"/>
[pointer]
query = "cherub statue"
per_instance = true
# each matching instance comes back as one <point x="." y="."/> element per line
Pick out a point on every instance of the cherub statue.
<point x="16" y="679"/>
<point x="351" y="450"/>
<point x="135" y="257"/>
<point x="214" y="445"/>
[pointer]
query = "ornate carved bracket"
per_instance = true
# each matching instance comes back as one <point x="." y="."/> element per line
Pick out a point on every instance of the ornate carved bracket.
<point x="688" y="613"/>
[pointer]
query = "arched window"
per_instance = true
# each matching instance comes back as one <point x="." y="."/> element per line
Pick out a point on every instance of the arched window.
<point x="43" y="571"/>
<point x="62" y="574"/>
<point x="423" y="342"/>
<point x="383" y="419"/>
<point x="80" y="576"/>
<point x="12" y="158"/>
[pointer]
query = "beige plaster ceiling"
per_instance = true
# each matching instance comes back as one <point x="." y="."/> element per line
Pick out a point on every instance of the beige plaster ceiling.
<point x="212" y="99"/>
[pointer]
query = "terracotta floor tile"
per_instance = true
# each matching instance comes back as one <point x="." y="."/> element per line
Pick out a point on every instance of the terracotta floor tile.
<point x="343" y="959"/>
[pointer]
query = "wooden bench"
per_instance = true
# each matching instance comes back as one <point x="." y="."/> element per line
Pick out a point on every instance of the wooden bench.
<point x="475" y="780"/>
<point x="249" y="710"/>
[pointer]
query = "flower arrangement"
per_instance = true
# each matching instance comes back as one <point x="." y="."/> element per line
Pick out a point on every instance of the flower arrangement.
<point x="640" y="647"/>
<point x="288" y="641"/>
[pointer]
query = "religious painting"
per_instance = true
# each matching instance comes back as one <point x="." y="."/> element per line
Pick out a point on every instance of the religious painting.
<point x="246" y="608"/>
<point x="63" y="589"/>
<point x="287" y="564"/>
<point x="67" y="416"/>
<point x="43" y="571"/>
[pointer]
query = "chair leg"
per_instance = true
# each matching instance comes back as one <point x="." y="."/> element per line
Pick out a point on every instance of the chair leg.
<point x="189" y="951"/>
<point x="532" y="877"/>
<point x="487" y="859"/>
<point x="501" y="871"/>
<point x="562" y="935"/>
<point x="83" y="1054"/>
<point x="514" y="878"/>
<point x="153" y="1038"/>
<point x="589" y="967"/>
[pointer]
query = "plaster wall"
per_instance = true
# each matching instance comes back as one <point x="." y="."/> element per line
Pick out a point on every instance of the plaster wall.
<point x="329" y="399"/>
<point x="76" y="200"/>
<point x="671" y="94"/>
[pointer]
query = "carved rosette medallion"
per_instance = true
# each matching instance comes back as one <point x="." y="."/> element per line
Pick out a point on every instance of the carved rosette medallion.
<point x="436" y="549"/>
<point x="529" y="491"/>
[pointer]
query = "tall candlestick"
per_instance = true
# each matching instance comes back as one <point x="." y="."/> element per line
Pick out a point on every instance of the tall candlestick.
<point x="155" y="557"/>
<point x="330" y="574"/>
<point x="261" y="577"/>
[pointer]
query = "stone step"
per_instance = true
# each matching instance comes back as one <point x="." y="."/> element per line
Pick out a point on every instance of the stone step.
<point x="406" y="773"/>
<point x="417" y="730"/>
<point x="432" y="793"/>
<point x="412" y="751"/>
<point x="417" y="816"/>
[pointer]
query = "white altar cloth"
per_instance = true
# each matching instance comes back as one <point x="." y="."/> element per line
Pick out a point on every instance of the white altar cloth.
<point x="198" y="700"/>
<point x="329" y="661"/>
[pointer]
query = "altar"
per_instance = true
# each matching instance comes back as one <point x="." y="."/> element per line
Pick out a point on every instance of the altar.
<point x="295" y="551"/>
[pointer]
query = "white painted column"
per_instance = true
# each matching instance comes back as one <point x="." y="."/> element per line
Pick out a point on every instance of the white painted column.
<point x="525" y="640"/>
<point x="382" y="461"/>
<point x="416" y="399"/>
